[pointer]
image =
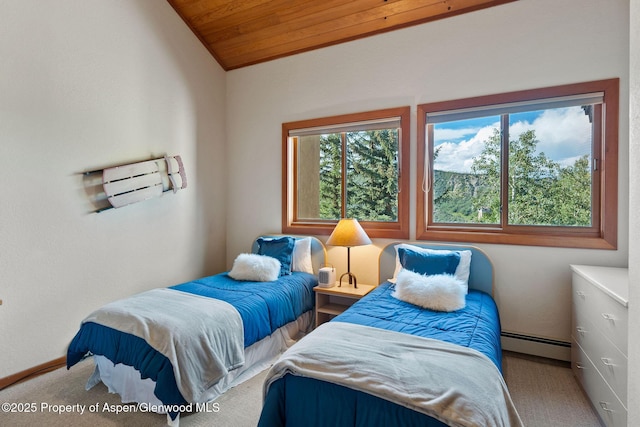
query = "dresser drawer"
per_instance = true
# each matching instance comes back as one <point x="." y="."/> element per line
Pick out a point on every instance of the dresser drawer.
<point x="606" y="358"/>
<point x="606" y="314"/>
<point x="605" y="402"/>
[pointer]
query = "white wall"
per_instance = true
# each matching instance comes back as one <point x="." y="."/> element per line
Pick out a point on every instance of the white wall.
<point x="86" y="84"/>
<point x="90" y="83"/>
<point x="634" y="226"/>
<point x="520" y="45"/>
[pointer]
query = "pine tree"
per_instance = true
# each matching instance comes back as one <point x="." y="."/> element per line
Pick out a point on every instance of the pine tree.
<point x="372" y="182"/>
<point x="330" y="176"/>
<point x="372" y="175"/>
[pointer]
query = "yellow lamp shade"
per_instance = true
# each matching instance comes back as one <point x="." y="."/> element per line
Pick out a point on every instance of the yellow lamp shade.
<point x="348" y="232"/>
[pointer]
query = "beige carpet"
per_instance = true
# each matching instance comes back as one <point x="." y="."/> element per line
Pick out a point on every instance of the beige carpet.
<point x="545" y="393"/>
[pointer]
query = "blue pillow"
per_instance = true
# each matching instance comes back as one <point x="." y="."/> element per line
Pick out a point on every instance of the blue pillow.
<point x="280" y="249"/>
<point x="429" y="263"/>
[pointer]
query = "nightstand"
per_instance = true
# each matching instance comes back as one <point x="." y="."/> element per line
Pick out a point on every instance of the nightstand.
<point x="332" y="301"/>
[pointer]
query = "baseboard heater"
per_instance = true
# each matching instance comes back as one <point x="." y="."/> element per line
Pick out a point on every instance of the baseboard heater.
<point x="537" y="346"/>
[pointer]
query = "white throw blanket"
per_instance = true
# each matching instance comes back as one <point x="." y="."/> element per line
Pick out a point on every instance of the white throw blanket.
<point x="454" y="384"/>
<point x="202" y="337"/>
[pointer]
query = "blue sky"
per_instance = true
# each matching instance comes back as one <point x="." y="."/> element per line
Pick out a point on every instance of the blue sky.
<point x="564" y="134"/>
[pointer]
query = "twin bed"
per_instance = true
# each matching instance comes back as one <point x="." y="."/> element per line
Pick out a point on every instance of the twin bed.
<point x="384" y="361"/>
<point x="191" y="342"/>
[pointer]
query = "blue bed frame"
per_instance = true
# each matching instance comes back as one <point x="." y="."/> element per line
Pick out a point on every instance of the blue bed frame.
<point x="318" y="250"/>
<point x="481" y="272"/>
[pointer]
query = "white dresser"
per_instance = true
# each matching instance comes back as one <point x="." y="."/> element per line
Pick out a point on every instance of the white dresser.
<point x="599" y="338"/>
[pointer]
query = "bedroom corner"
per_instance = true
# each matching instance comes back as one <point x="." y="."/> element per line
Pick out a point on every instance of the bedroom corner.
<point x="88" y="85"/>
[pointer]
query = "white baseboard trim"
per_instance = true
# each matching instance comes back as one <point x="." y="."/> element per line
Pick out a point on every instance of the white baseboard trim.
<point x="543" y="347"/>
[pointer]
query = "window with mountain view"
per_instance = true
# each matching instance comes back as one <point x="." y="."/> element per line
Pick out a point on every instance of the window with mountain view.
<point x="348" y="166"/>
<point x="536" y="167"/>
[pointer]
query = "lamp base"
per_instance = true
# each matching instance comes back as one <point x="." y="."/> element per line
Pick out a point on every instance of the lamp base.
<point x="351" y="277"/>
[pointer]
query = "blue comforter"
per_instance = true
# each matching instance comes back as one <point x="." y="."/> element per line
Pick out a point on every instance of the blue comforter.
<point x="263" y="307"/>
<point x="476" y="326"/>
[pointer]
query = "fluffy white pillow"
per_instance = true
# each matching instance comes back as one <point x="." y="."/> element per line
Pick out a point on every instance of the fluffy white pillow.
<point x="440" y="292"/>
<point x="462" y="271"/>
<point x="255" y="268"/>
<point x="302" y="256"/>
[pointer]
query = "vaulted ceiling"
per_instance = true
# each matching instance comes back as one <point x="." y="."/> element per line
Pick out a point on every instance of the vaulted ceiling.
<point x="245" y="32"/>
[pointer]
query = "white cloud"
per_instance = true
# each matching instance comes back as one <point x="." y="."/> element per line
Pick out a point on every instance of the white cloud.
<point x="563" y="134"/>
<point x="458" y="156"/>
<point x="452" y="134"/>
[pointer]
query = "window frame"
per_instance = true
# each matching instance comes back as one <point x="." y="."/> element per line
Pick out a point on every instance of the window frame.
<point x="604" y="232"/>
<point x="396" y="230"/>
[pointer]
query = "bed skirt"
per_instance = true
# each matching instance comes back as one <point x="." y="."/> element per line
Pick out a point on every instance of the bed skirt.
<point x="125" y="380"/>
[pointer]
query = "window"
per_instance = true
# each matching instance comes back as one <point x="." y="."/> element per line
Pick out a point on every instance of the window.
<point x="536" y="167"/>
<point x="353" y="166"/>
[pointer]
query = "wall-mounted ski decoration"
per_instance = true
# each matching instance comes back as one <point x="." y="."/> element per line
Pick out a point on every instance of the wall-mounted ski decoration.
<point x="135" y="182"/>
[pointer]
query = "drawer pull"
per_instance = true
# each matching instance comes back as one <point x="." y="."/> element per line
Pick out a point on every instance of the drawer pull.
<point x="580" y="294"/>
<point x="605" y="406"/>
<point x="581" y="330"/>
<point x="579" y="366"/>
<point x="606" y="361"/>
<point x="610" y="317"/>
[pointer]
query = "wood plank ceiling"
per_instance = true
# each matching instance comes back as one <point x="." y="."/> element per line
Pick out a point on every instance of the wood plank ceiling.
<point x="245" y="32"/>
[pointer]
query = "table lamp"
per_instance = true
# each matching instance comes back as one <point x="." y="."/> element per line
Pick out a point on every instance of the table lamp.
<point x="348" y="233"/>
